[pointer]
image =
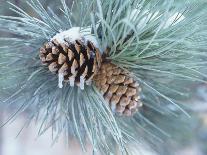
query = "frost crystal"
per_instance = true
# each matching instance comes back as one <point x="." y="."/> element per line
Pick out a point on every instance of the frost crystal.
<point x="72" y="81"/>
<point x="60" y="80"/>
<point x="82" y="81"/>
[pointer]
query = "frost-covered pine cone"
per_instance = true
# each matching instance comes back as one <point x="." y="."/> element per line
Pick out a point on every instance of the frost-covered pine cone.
<point x="75" y="61"/>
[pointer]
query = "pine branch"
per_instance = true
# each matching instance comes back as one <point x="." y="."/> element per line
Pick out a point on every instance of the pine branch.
<point x="164" y="56"/>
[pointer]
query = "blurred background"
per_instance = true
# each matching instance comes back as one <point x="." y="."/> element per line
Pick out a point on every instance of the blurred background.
<point x="15" y="141"/>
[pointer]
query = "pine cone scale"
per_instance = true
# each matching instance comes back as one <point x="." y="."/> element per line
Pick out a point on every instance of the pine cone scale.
<point x="77" y="61"/>
<point x="119" y="89"/>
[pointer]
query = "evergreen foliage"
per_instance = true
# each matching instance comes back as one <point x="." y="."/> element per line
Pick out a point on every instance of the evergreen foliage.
<point x="163" y="43"/>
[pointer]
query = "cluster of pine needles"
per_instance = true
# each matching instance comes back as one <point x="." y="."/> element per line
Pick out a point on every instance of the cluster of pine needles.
<point x="163" y="43"/>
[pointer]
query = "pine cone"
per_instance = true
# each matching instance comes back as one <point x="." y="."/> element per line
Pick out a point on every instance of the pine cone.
<point x="77" y="62"/>
<point x="119" y="89"/>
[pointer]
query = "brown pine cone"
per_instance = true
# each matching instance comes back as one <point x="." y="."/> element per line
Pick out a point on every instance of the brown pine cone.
<point x="119" y="89"/>
<point x="77" y="62"/>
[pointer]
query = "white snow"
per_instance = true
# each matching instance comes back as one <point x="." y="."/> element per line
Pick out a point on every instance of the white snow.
<point x="82" y="81"/>
<point x="70" y="35"/>
<point x="60" y="80"/>
<point x="75" y="33"/>
<point x="72" y="81"/>
<point x="93" y="40"/>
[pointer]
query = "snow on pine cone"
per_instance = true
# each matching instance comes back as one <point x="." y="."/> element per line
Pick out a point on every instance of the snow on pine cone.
<point x="75" y="62"/>
<point x="118" y="88"/>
